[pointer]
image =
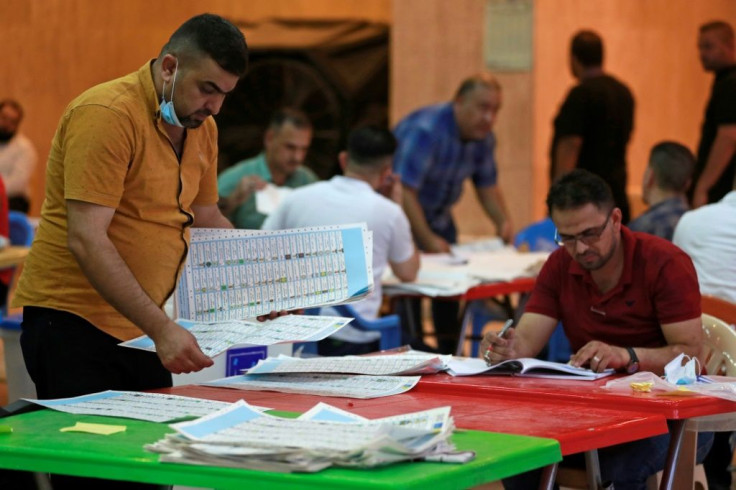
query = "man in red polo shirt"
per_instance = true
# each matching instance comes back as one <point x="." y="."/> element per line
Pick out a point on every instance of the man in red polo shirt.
<point x="628" y="301"/>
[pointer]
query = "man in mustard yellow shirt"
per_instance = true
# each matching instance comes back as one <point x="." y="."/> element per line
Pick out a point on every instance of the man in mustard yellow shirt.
<point x="132" y="166"/>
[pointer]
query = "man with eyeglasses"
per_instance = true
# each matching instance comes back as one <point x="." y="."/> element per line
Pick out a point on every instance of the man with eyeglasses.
<point x="627" y="300"/>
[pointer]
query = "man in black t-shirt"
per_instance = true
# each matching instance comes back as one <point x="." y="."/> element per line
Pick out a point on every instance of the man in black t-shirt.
<point x="716" y="165"/>
<point x="593" y="126"/>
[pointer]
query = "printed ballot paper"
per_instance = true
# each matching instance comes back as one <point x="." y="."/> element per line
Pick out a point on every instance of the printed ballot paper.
<point x="234" y="274"/>
<point x="216" y="337"/>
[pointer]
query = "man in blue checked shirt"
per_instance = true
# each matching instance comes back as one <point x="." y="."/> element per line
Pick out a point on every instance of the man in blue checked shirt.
<point x="439" y="147"/>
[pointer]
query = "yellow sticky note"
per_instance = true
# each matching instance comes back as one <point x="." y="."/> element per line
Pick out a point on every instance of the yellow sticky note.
<point x="102" y="429"/>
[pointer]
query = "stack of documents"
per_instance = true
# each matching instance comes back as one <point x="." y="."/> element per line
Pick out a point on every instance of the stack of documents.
<point x="234" y="274"/>
<point x="244" y="437"/>
<point x="396" y="364"/>
<point x="370" y="376"/>
<point x="454" y="274"/>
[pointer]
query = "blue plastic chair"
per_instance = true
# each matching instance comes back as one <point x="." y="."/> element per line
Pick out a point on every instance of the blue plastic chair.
<point x="389" y="327"/>
<point x="21" y="233"/>
<point x="537" y="237"/>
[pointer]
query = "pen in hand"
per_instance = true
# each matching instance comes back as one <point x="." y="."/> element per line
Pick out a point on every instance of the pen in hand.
<point x="506" y="326"/>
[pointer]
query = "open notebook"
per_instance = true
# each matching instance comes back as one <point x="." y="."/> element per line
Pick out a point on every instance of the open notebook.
<point x="523" y="367"/>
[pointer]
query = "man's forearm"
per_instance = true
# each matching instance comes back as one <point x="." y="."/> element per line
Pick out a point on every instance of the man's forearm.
<point x="419" y="226"/>
<point x="565" y="155"/>
<point x="112" y="278"/>
<point x="493" y="204"/>
<point x="720" y="155"/>
<point x="655" y="359"/>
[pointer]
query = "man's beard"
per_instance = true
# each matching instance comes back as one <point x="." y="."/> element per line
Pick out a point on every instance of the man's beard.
<point x="6" y="136"/>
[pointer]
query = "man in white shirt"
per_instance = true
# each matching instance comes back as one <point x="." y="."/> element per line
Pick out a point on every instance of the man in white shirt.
<point x="367" y="192"/>
<point x="708" y="236"/>
<point x="17" y="156"/>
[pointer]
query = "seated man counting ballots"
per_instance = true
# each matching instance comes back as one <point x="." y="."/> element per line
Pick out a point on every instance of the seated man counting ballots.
<point x="627" y="300"/>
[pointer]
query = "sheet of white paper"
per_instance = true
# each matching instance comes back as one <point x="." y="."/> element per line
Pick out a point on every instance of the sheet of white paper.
<point x="374" y="365"/>
<point x="216" y="337"/>
<point x="506" y="265"/>
<point x="339" y="385"/>
<point x="235" y="274"/>
<point x="154" y="407"/>
<point x="270" y="197"/>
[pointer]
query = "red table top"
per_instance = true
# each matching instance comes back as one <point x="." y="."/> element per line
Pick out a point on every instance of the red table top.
<point x="589" y="393"/>
<point x="490" y="290"/>
<point x="576" y="430"/>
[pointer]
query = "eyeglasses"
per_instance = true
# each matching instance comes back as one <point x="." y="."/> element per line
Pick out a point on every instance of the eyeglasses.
<point x="588" y="237"/>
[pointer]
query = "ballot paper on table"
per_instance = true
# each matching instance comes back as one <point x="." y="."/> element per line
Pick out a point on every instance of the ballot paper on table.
<point x="270" y="197"/>
<point x="339" y="385"/>
<point x="235" y="274"/>
<point x="216" y="337"/>
<point x="153" y="407"/>
<point x="443" y="275"/>
<point x="240" y="436"/>
<point x="506" y="264"/>
<point x="396" y="364"/>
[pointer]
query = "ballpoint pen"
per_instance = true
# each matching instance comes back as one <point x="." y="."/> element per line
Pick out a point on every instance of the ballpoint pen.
<point x="506" y="326"/>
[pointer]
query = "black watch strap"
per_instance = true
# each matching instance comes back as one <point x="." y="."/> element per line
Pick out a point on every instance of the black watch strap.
<point x="633" y="365"/>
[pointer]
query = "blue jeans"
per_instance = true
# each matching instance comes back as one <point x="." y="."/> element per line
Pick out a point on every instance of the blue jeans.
<point x="626" y="465"/>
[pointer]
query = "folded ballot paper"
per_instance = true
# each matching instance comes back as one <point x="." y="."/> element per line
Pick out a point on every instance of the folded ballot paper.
<point x="377" y="365"/>
<point x="216" y="337"/>
<point x="234" y="274"/>
<point x="243" y="437"/>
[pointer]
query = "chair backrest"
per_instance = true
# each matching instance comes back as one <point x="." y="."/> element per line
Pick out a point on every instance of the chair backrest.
<point x="719" y="308"/>
<point x="537" y="237"/>
<point x="719" y="346"/>
<point x="21" y="230"/>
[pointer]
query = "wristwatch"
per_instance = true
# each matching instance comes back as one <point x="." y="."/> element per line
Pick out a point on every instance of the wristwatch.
<point x="633" y="365"/>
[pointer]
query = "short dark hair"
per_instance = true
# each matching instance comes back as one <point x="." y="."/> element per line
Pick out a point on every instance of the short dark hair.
<point x="725" y="31"/>
<point x="369" y="145"/>
<point x="289" y="115"/>
<point x="673" y="165"/>
<point x="214" y="36"/>
<point x="587" y="48"/>
<point x="578" y="188"/>
<point x="483" y="79"/>
<point x="15" y="105"/>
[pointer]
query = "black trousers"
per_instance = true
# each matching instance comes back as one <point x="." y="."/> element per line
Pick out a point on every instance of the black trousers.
<point x="67" y="356"/>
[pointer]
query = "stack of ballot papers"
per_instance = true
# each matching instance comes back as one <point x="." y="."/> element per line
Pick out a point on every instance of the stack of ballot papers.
<point x="235" y="274"/>
<point x="390" y="365"/>
<point x="369" y="376"/>
<point x="446" y="275"/>
<point x="243" y="437"/>
<point x="216" y="337"/>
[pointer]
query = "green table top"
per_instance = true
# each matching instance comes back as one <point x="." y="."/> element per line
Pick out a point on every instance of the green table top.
<point x="37" y="445"/>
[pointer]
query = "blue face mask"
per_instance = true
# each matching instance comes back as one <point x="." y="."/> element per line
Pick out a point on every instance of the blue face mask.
<point x="168" y="113"/>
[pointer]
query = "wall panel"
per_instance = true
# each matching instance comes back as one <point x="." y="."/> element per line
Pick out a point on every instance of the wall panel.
<point x="56" y="49"/>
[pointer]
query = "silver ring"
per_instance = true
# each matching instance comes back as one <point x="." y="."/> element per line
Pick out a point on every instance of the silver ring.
<point x="596" y="359"/>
